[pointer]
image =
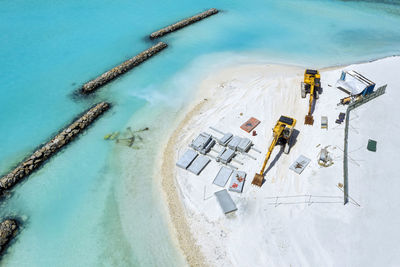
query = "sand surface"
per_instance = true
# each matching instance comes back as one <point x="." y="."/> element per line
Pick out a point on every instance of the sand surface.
<point x="292" y="219"/>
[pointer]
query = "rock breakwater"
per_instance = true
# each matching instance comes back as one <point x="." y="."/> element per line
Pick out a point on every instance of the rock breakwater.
<point x="183" y="23"/>
<point x="45" y="152"/>
<point x="8" y="229"/>
<point x="106" y="77"/>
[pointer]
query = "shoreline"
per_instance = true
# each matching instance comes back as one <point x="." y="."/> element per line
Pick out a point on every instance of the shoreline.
<point x="176" y="198"/>
<point x="181" y="228"/>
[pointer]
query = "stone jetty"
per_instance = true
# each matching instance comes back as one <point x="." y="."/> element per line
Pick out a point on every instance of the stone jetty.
<point x="183" y="23"/>
<point x="106" y="77"/>
<point x="8" y="229"/>
<point x="46" y="151"/>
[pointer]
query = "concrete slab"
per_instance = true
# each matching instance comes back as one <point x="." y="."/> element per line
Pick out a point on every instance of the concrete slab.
<point x="224" y="140"/>
<point x="201" y="142"/>
<point x="186" y="159"/>
<point x="222" y="176"/>
<point x="234" y="142"/>
<point x="225" y="201"/>
<point x="226" y="156"/>
<point x="244" y="145"/>
<point x="198" y="164"/>
<point x="237" y="181"/>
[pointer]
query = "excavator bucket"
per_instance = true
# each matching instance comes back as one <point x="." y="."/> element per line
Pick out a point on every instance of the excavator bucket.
<point x="309" y="120"/>
<point x="258" y="179"/>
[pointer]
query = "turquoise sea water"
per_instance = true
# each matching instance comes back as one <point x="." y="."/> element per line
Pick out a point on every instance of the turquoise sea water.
<point x="81" y="209"/>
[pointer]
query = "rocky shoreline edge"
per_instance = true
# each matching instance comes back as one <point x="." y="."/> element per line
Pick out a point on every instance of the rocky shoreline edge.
<point x="183" y="23"/>
<point x="29" y="165"/>
<point x="8" y="230"/>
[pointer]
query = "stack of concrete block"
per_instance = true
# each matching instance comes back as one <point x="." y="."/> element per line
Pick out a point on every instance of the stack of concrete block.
<point x="203" y="143"/>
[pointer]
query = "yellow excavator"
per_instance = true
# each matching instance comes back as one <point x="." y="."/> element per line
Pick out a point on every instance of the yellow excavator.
<point x="282" y="134"/>
<point x="312" y="86"/>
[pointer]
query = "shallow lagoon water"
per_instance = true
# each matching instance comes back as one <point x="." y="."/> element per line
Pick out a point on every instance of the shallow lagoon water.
<point x="81" y="208"/>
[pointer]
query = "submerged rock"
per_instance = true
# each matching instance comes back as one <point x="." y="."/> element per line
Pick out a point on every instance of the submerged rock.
<point x="8" y="229"/>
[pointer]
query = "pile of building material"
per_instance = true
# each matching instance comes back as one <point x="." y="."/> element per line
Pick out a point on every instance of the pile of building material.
<point x="237" y="181"/>
<point x="324" y="159"/>
<point x="203" y="143"/>
<point x="234" y="142"/>
<point x="225" y="201"/>
<point x="229" y="146"/>
<point x="225" y="155"/>
<point x="346" y="100"/>
<point x="225" y="139"/>
<point x="244" y="145"/>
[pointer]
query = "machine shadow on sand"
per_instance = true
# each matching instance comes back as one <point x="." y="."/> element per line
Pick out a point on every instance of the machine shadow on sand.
<point x="293" y="141"/>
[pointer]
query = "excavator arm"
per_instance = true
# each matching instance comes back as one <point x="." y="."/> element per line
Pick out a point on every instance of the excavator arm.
<point x="259" y="177"/>
<point x="309" y="118"/>
<point x="271" y="147"/>
<point x="311" y="80"/>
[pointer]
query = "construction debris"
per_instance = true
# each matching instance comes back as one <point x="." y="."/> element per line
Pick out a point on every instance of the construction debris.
<point x="237" y="181"/>
<point x="132" y="137"/>
<point x="300" y="164"/>
<point x="341" y="118"/>
<point x="345" y="101"/>
<point x="324" y="159"/>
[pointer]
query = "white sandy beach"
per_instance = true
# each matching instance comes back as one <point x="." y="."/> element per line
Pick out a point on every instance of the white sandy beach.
<point x="292" y="233"/>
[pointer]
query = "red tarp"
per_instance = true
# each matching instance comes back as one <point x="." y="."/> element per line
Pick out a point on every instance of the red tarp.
<point x="249" y="125"/>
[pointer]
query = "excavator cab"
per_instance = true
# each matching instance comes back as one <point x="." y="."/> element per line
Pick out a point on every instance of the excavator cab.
<point x="312" y="86"/>
<point x="282" y="135"/>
